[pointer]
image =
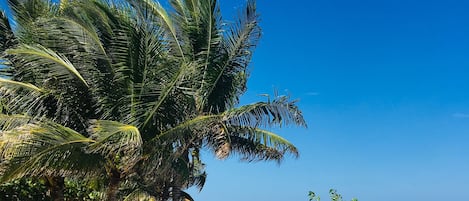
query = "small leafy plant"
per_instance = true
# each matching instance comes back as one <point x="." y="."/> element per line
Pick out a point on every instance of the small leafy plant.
<point x="332" y="193"/>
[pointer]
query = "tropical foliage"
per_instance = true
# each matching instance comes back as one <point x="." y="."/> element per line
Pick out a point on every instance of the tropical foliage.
<point x="332" y="194"/>
<point x="31" y="189"/>
<point x="130" y="91"/>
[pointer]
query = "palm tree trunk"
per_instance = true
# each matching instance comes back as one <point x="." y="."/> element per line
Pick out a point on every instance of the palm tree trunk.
<point x="56" y="186"/>
<point x="175" y="191"/>
<point x="113" y="186"/>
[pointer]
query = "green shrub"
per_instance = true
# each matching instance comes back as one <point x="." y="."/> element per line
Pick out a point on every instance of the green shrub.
<point x="332" y="194"/>
<point x="32" y="189"/>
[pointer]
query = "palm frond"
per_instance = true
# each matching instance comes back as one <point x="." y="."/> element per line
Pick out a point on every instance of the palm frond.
<point x="251" y="151"/>
<point x="85" y="50"/>
<point x="47" y="149"/>
<point x="198" y="176"/>
<point x="227" y="80"/>
<point x="7" y="37"/>
<point x="207" y="40"/>
<point x="242" y="126"/>
<point x="95" y="20"/>
<point x="258" y="144"/>
<point x="186" y="128"/>
<point x="144" y="68"/>
<point x="186" y="197"/>
<point x="8" y="122"/>
<point x="139" y="195"/>
<point x="181" y="10"/>
<point x="27" y="11"/>
<point x="14" y="86"/>
<point x="280" y="111"/>
<point x="22" y="97"/>
<point x="105" y="40"/>
<point x="116" y="139"/>
<point x="48" y="62"/>
<point x="152" y="10"/>
<point x="63" y="4"/>
<point x="168" y="88"/>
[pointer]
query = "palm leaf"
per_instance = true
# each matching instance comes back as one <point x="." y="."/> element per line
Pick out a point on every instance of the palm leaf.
<point x="279" y="112"/>
<point x="8" y="122"/>
<point x="27" y="11"/>
<point x="154" y="9"/>
<point x="241" y="124"/>
<point x="145" y="67"/>
<point x="139" y="195"/>
<point x="7" y="37"/>
<point x="226" y="80"/>
<point x="186" y="197"/>
<point x="22" y="97"/>
<point x="116" y="139"/>
<point x="47" y="61"/>
<point x="258" y="144"/>
<point x="167" y="89"/>
<point x="47" y="149"/>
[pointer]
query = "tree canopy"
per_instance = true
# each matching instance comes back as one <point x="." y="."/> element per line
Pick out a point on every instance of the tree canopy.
<point x="131" y="91"/>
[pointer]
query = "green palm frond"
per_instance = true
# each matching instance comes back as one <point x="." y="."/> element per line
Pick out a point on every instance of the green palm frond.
<point x="27" y="11"/>
<point x="203" y="28"/>
<point x="72" y="32"/>
<point x="139" y="195"/>
<point x="91" y="59"/>
<point x="8" y="122"/>
<point x="169" y="88"/>
<point x="226" y="81"/>
<point x="114" y="139"/>
<point x="198" y="176"/>
<point x="7" y="37"/>
<point x="63" y="4"/>
<point x="103" y="32"/>
<point x="97" y="21"/>
<point x="48" y="62"/>
<point x="145" y="69"/>
<point x="258" y="144"/>
<point x="250" y="151"/>
<point x="280" y="111"/>
<point x="242" y="125"/>
<point x="22" y="97"/>
<point x="151" y="10"/>
<point x="186" y="197"/>
<point x="188" y="128"/>
<point x="13" y="86"/>
<point x="181" y="10"/>
<point x="200" y="22"/>
<point x="250" y="143"/>
<point x="46" y="148"/>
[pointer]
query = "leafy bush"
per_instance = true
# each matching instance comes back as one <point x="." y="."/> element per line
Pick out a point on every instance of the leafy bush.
<point x="332" y="193"/>
<point x="24" y="190"/>
<point x="32" y="189"/>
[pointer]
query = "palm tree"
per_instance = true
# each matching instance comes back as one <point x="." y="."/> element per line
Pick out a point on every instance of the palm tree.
<point x="131" y="91"/>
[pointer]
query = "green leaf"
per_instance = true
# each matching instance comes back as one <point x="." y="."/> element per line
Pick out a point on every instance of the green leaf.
<point x="46" y="148"/>
<point x="48" y="62"/>
<point x="116" y="139"/>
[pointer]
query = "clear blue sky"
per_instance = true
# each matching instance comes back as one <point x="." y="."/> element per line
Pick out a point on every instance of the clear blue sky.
<point x="384" y="86"/>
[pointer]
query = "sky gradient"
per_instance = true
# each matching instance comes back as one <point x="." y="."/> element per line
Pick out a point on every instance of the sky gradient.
<point x="384" y="88"/>
<point x="383" y="85"/>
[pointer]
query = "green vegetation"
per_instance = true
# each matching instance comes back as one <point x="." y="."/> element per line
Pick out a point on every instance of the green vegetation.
<point x="30" y="189"/>
<point x="332" y="194"/>
<point x="123" y="95"/>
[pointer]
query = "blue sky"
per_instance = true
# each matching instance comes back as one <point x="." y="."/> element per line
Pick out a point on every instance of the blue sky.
<point x="384" y="88"/>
